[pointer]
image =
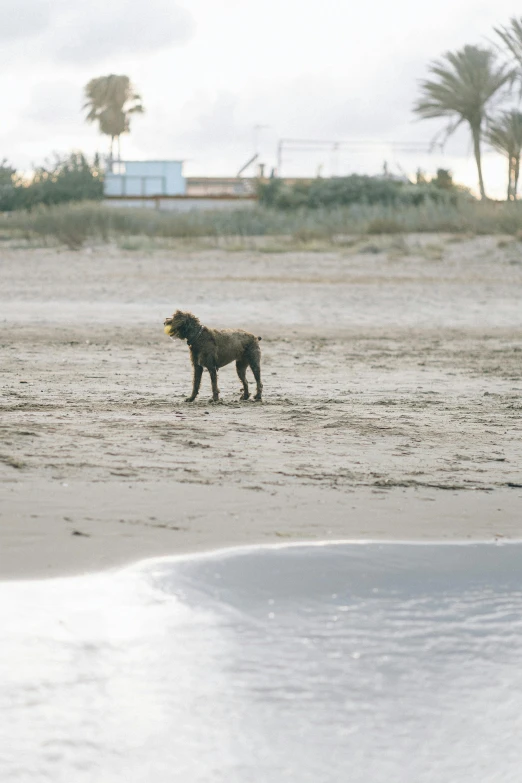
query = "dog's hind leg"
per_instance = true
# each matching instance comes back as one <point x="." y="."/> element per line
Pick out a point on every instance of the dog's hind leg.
<point x="213" y="379"/>
<point x="254" y="361"/>
<point x="198" y="372"/>
<point x="241" y="366"/>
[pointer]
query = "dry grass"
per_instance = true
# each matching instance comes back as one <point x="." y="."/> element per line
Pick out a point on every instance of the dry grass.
<point x="141" y="229"/>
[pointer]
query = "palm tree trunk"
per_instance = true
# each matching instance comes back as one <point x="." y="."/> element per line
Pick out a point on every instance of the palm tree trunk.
<point x="517" y="172"/>
<point x="510" y="178"/>
<point x="110" y="149"/>
<point x="476" y="149"/>
<point x="119" y="148"/>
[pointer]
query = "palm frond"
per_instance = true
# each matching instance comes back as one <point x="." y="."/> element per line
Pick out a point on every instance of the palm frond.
<point x="504" y="133"/>
<point x="464" y="83"/>
<point x="511" y="37"/>
<point x="462" y="88"/>
<point x="110" y="100"/>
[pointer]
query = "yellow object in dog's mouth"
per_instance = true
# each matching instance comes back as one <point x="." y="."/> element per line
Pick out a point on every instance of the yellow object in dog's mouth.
<point x="167" y="328"/>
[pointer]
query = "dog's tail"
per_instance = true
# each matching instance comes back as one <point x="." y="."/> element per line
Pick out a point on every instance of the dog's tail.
<point x="259" y="338"/>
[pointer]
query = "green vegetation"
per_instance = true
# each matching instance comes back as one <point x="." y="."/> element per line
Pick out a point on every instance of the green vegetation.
<point x="505" y="135"/>
<point x="511" y="37"/>
<point x="74" y="224"/>
<point x="462" y="88"/>
<point x="110" y="101"/>
<point x="357" y="189"/>
<point x="467" y="85"/>
<point x="72" y="178"/>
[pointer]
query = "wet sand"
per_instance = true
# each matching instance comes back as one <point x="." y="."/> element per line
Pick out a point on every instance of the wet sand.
<point x="393" y="391"/>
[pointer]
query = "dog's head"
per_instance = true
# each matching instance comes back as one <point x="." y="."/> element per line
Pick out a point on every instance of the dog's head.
<point x="181" y="325"/>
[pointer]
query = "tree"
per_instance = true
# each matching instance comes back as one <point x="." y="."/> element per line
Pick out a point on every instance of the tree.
<point x="8" y="183"/>
<point x="465" y="83"/>
<point x="511" y="37"/>
<point x="110" y="101"/>
<point x="443" y="180"/>
<point x="505" y="135"/>
<point x="66" y="178"/>
<point x="7" y="174"/>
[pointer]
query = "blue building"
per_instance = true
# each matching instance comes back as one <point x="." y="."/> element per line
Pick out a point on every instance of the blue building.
<point x="145" y="178"/>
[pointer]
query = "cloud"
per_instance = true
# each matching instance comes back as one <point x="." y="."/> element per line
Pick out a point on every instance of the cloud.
<point x="51" y="122"/>
<point x="78" y="32"/>
<point x="56" y="103"/>
<point x="204" y="131"/>
<point x="96" y="31"/>
<point x="217" y="123"/>
<point x="23" y="18"/>
<point x="220" y="136"/>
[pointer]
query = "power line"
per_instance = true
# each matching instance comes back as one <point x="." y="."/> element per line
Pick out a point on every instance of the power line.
<point x="350" y="142"/>
<point x="351" y="145"/>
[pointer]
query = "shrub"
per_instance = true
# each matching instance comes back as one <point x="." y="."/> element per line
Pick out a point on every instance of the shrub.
<point x="356" y="189"/>
<point x="69" y="178"/>
<point x="305" y="234"/>
<point x="383" y="225"/>
<point x="7" y="185"/>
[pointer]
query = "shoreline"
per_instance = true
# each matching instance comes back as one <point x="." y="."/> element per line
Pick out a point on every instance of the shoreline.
<point x="85" y="527"/>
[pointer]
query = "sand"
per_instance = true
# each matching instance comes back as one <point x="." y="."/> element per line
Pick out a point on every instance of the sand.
<point x="392" y="372"/>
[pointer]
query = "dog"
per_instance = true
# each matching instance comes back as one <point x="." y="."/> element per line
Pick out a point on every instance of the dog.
<point x="214" y="348"/>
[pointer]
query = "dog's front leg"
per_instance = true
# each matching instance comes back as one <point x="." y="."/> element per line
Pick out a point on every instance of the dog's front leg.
<point x="213" y="379"/>
<point x="198" y="372"/>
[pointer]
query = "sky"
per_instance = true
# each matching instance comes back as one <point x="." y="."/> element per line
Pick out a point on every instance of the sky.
<point x="210" y="71"/>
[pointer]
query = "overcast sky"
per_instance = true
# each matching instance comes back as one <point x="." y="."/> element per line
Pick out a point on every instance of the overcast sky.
<point x="210" y="70"/>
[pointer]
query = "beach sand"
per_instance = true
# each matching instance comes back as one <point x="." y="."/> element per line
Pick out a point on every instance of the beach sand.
<point x="392" y="373"/>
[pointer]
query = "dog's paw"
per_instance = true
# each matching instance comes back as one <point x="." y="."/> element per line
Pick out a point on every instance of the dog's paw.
<point x="244" y="397"/>
<point x="189" y="399"/>
<point x="257" y="398"/>
<point x="217" y="401"/>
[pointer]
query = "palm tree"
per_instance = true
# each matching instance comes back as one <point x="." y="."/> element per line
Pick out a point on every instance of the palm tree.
<point x="464" y="84"/>
<point x="110" y="101"/>
<point x="512" y="38"/>
<point x="505" y="135"/>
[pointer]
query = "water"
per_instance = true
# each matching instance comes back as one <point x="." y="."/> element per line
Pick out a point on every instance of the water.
<point x="313" y="664"/>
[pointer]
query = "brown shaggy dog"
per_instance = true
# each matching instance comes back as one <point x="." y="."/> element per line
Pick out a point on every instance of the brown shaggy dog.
<point x="213" y="348"/>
